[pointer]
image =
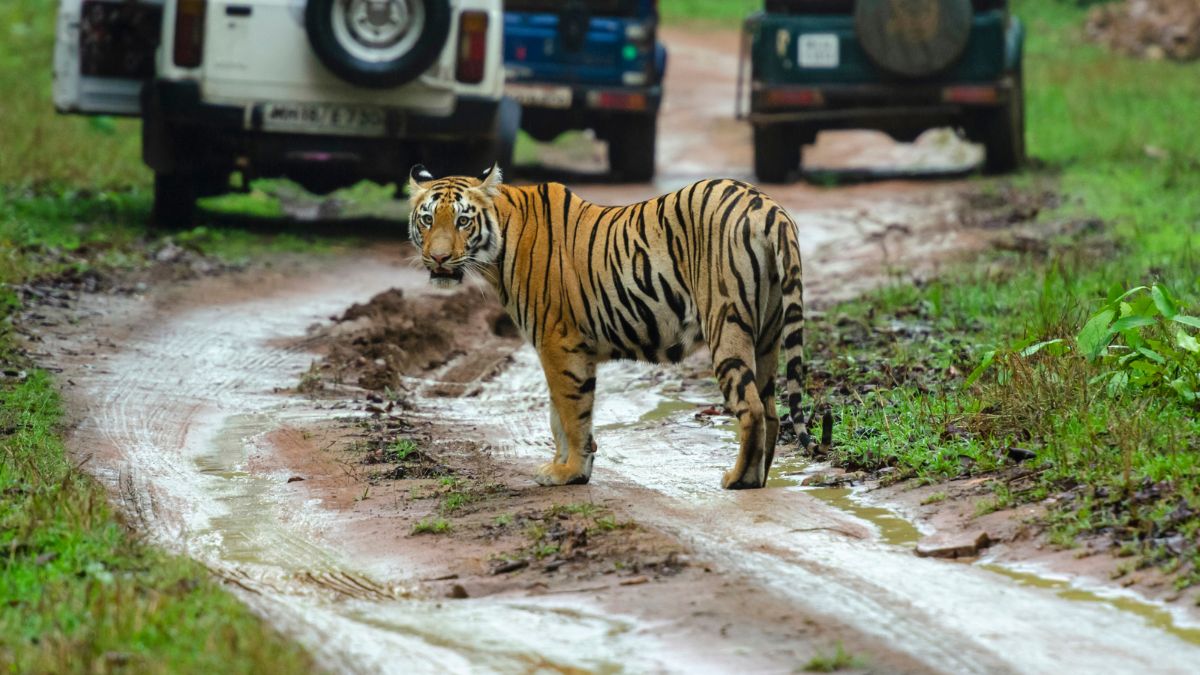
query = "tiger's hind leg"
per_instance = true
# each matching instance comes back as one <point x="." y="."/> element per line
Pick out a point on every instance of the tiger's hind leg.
<point x="571" y="377"/>
<point x="733" y="363"/>
<point x="766" y="365"/>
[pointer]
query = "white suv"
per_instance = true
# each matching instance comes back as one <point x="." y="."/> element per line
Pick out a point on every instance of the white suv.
<point x="326" y="92"/>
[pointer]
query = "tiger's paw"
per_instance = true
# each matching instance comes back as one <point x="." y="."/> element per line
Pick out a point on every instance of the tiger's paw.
<point x="553" y="473"/>
<point x="735" y="481"/>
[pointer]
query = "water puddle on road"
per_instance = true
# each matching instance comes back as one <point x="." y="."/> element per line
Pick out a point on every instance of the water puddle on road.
<point x="897" y="531"/>
<point x="262" y="545"/>
<point x="1155" y="615"/>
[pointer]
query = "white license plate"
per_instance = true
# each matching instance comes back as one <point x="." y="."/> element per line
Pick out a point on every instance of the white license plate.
<point x="819" y="50"/>
<point x="539" y="96"/>
<point x="321" y="118"/>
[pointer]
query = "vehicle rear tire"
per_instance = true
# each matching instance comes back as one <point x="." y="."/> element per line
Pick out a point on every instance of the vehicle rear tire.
<point x="1002" y="132"/>
<point x="472" y="158"/>
<point x="913" y="39"/>
<point x="508" y="125"/>
<point x="631" y="147"/>
<point x="174" y="201"/>
<point x="776" y="152"/>
<point x="370" y="61"/>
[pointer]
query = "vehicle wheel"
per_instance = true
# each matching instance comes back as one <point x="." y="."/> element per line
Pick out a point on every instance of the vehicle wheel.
<point x="472" y="158"/>
<point x="508" y="125"/>
<point x="377" y="43"/>
<point x="776" y="152"/>
<point x="631" y="150"/>
<point x="174" y="201"/>
<point x="1002" y="131"/>
<point x="917" y="38"/>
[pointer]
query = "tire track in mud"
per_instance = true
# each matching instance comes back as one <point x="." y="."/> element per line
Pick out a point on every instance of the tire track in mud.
<point x="952" y="617"/>
<point x="170" y="419"/>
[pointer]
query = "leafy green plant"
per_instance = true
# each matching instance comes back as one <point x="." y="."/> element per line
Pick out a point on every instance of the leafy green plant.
<point x="1139" y="340"/>
<point x="1142" y="341"/>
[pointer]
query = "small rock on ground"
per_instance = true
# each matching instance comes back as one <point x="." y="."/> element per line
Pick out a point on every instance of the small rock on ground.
<point x="957" y="545"/>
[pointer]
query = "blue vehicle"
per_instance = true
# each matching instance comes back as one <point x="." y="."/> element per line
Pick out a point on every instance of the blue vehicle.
<point x="588" y="64"/>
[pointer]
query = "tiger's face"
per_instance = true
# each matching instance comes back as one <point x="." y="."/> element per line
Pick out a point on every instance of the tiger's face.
<point x="453" y="221"/>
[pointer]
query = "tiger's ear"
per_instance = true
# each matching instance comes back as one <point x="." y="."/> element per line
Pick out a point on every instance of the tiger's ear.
<point x="416" y="176"/>
<point x="490" y="179"/>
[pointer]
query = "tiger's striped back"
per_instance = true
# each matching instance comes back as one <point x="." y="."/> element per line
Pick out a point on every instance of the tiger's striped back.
<point x="717" y="263"/>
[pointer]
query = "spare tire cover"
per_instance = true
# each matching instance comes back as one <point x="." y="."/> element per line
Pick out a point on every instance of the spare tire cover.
<point x="377" y="43"/>
<point x="913" y="38"/>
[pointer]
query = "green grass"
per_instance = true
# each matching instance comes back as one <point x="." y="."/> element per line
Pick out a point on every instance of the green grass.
<point x="718" y="12"/>
<point x="838" y="659"/>
<point x="42" y="149"/>
<point x="401" y="449"/>
<point x="1124" y="465"/>
<point x="78" y="592"/>
<point x="432" y="526"/>
<point x="455" y="501"/>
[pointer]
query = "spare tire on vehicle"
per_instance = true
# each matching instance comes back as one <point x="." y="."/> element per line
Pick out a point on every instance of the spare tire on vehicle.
<point x="913" y="38"/>
<point x="377" y="43"/>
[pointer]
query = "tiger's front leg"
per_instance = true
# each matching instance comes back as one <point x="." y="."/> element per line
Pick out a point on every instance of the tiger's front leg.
<point x="571" y="377"/>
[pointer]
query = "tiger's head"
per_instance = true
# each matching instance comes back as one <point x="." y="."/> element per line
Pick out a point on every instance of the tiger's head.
<point x="453" y="221"/>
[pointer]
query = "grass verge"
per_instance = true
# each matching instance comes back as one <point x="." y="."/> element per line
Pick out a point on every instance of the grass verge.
<point x="78" y="590"/>
<point x="1121" y="461"/>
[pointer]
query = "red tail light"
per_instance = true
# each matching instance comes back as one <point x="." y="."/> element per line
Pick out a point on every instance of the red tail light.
<point x="189" y="32"/>
<point x="797" y="98"/>
<point x="616" y="100"/>
<point x="971" y="94"/>
<point x="472" y="46"/>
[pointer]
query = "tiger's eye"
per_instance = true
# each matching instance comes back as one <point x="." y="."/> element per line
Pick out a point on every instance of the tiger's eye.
<point x="426" y="220"/>
<point x="463" y="221"/>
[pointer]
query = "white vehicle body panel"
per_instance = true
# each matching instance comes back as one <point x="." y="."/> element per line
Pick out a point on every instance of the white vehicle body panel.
<point x="266" y="57"/>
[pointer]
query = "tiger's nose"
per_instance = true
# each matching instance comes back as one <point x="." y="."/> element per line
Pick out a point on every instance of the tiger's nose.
<point x="439" y="259"/>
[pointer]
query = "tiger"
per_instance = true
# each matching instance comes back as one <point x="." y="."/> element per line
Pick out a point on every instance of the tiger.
<point x="716" y="263"/>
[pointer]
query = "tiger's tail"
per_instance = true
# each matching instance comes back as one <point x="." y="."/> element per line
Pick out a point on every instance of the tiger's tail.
<point x="787" y="260"/>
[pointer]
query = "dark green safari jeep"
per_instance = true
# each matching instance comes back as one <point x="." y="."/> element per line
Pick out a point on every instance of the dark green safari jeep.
<point x="899" y="66"/>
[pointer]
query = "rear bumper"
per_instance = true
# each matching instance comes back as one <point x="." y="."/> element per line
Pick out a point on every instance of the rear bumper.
<point x="592" y="100"/>
<point x="180" y="132"/>
<point x="179" y="104"/>
<point x="863" y="103"/>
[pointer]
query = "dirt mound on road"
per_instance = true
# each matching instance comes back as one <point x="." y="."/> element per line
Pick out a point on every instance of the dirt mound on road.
<point x="1151" y="29"/>
<point x="455" y="338"/>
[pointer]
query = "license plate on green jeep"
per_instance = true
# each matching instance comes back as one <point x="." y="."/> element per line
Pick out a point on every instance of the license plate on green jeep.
<point x="818" y="50"/>
<point x="320" y="118"/>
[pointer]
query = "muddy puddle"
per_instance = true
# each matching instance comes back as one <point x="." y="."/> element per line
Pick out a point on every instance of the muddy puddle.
<point x="181" y="411"/>
<point x="824" y="548"/>
<point x="895" y="530"/>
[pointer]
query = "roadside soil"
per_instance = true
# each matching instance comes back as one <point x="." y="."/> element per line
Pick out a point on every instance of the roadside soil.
<point x="1149" y="29"/>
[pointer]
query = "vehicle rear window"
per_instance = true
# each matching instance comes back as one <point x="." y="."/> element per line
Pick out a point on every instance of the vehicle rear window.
<point x="596" y="7"/>
<point x="118" y="39"/>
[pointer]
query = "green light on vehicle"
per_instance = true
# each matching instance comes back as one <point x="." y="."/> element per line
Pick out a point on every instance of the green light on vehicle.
<point x="629" y="52"/>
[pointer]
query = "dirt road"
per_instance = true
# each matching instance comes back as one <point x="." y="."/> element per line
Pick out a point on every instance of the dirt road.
<point x="185" y="403"/>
